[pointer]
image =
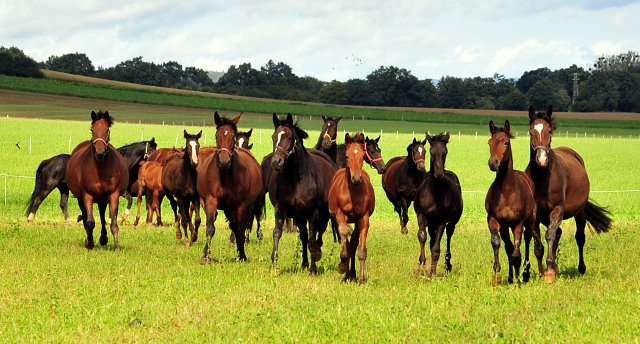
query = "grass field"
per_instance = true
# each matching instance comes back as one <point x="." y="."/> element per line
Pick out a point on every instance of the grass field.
<point x="54" y="290"/>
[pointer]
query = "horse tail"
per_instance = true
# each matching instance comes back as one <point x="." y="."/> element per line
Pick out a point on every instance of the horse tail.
<point x="38" y="187"/>
<point x="259" y="208"/>
<point x="598" y="217"/>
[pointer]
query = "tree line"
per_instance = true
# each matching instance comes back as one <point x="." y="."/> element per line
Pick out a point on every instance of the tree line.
<point x="612" y="83"/>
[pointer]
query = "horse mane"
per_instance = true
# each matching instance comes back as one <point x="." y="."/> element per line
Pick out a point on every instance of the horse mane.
<point x="130" y="148"/>
<point x="227" y="121"/>
<point x="439" y="138"/>
<point x="101" y="115"/>
<point x="503" y="130"/>
<point x="549" y="119"/>
<point x="296" y="128"/>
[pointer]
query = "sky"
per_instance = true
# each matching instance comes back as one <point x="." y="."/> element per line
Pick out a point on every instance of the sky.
<point x="330" y="39"/>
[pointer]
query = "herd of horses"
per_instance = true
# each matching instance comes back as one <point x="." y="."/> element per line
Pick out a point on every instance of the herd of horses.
<point x="327" y="184"/>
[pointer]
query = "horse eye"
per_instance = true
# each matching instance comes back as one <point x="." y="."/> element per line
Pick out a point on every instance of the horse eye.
<point x="506" y="143"/>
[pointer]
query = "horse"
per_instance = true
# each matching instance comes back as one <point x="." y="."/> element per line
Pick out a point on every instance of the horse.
<point x="438" y="204"/>
<point x="327" y="140"/>
<point x="179" y="178"/>
<point x="510" y="204"/>
<point x="150" y="185"/>
<point x="50" y="175"/>
<point x="97" y="173"/>
<point x="299" y="189"/>
<point x="402" y="178"/>
<point x="133" y="154"/>
<point x="242" y="139"/>
<point x="352" y="200"/>
<point x="230" y="180"/>
<point x="159" y="156"/>
<point x="561" y="190"/>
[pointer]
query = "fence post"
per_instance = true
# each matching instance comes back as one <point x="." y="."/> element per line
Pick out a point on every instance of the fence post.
<point x="176" y="144"/>
<point x="29" y="144"/>
<point x="205" y="140"/>
<point x="380" y="133"/>
<point x="69" y="144"/>
<point x="142" y="137"/>
<point x="5" y="187"/>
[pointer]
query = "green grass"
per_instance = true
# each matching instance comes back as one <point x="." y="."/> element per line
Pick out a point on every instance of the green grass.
<point x="152" y="97"/>
<point x="54" y="290"/>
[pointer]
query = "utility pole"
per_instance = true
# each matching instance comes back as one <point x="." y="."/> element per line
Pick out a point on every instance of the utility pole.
<point x="575" y="88"/>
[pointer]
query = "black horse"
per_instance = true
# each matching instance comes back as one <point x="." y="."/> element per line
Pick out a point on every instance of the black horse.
<point x="299" y="188"/>
<point x="51" y="172"/>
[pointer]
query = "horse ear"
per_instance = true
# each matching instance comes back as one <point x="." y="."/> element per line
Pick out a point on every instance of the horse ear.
<point x="361" y="138"/>
<point x="339" y="118"/>
<point x="153" y="140"/>
<point x="185" y="134"/>
<point x="289" y="119"/>
<point x="106" y="115"/>
<point x="235" y="120"/>
<point x="428" y="136"/>
<point x="250" y="146"/>
<point x="507" y="126"/>
<point x="347" y="138"/>
<point x="549" y="111"/>
<point x="532" y="113"/>
<point x="249" y="132"/>
<point x="276" y="120"/>
<point x="323" y="117"/>
<point x="199" y="135"/>
<point x="447" y="136"/>
<point x="216" y="118"/>
<point x="378" y="139"/>
<point x="94" y="115"/>
<point x="492" y="127"/>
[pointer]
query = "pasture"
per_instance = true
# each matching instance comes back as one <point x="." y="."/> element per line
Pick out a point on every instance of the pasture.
<point x="52" y="289"/>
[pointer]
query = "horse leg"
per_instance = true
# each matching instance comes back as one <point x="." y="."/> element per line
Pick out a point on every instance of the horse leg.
<point x="343" y="229"/>
<point x="127" y="211"/>
<point x="139" y="203"/>
<point x="102" y="208"/>
<point x="184" y="208"/>
<point x="232" y="239"/>
<point x="174" y="207"/>
<point x="526" y="274"/>
<point x="508" y="248"/>
<point x="277" y="234"/>
<point x="435" y="232"/>
<point x="494" y="228"/>
<point x="538" y="249"/>
<point x="354" y="241"/>
<point x="155" y="207"/>
<point x="210" y="206"/>
<point x="39" y="197"/>
<point x="552" y="237"/>
<point x="581" y="222"/>
<point x="238" y="226"/>
<point x="158" y="202"/>
<point x="64" y="199"/>
<point x="86" y="207"/>
<point x="405" y="217"/>
<point x="363" y="225"/>
<point x="196" y="221"/>
<point x="113" y="215"/>
<point x="451" y="226"/>
<point x="304" y="238"/>
<point x="516" y="256"/>
<point x="422" y="238"/>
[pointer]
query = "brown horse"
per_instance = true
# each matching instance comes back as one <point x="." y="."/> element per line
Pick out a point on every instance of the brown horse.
<point x="97" y="173"/>
<point x="561" y="190"/>
<point x="179" y="177"/>
<point x="230" y="180"/>
<point x="327" y="140"/>
<point x="403" y="176"/>
<point x="438" y="204"/>
<point x="150" y="185"/>
<point x="352" y="200"/>
<point x="242" y="139"/>
<point x="510" y="204"/>
<point x="159" y="156"/>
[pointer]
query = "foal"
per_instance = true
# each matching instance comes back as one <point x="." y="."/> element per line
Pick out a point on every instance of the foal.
<point x="352" y="200"/>
<point x="510" y="204"/>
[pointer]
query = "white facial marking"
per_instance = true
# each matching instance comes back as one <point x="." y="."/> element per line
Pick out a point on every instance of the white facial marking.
<point x="194" y="156"/>
<point x="226" y="131"/>
<point x="240" y="142"/>
<point x="539" y="127"/>
<point x="279" y="138"/>
<point x="420" y="150"/>
<point x="356" y="151"/>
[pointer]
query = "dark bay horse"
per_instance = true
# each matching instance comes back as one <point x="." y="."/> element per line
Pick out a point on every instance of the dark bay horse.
<point x="438" y="204"/>
<point x="230" y="180"/>
<point x="510" y="204"/>
<point x="51" y="172"/>
<point x="352" y="200"/>
<point x="242" y="139"/>
<point x="133" y="154"/>
<point x="561" y="190"/>
<point x="179" y="178"/>
<point x="97" y="173"/>
<point x="401" y="180"/>
<point x="327" y="140"/>
<point x="299" y="189"/>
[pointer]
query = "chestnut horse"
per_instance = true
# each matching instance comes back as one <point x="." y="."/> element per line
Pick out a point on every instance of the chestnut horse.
<point x="97" y="173"/>
<point x="352" y="200"/>
<point x="150" y="186"/>
<point x="510" y="204"/>
<point x="561" y="190"/>
<point x="299" y="189"/>
<point x="179" y="177"/>
<point x="403" y="177"/>
<point x="230" y="180"/>
<point x="438" y="204"/>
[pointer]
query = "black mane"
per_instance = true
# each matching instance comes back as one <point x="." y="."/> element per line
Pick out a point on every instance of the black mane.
<point x="227" y="121"/>
<point x="439" y="138"/>
<point x="301" y="134"/>
<point x="100" y="115"/>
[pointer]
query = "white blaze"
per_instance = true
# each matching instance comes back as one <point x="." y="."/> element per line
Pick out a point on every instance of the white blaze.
<point x="356" y="151"/>
<point x="539" y="127"/>
<point x="194" y="156"/>
<point x="240" y="142"/>
<point x="420" y="150"/>
<point x="279" y="138"/>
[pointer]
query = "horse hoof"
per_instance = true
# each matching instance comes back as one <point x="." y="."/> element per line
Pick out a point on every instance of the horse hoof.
<point x="121" y="219"/>
<point x="194" y="237"/>
<point x="305" y="265"/>
<point x="317" y="256"/>
<point x="69" y="222"/>
<point x="187" y="242"/>
<point x="526" y="276"/>
<point x="549" y="277"/>
<point x="79" y="218"/>
<point x="497" y="280"/>
<point x="404" y="230"/>
<point x="519" y="284"/>
<point x="104" y="240"/>
<point x="342" y="268"/>
<point x="582" y="268"/>
<point x="232" y="244"/>
<point x="88" y="244"/>
<point x="178" y="235"/>
<point x="117" y="249"/>
<point x="205" y="261"/>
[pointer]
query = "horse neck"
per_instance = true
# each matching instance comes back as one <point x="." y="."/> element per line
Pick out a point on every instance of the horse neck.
<point x="318" y="145"/>
<point x="505" y="171"/>
<point x="297" y="163"/>
<point x="540" y="173"/>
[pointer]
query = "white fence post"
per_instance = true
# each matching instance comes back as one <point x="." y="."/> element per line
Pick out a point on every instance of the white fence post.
<point x="176" y="144"/>
<point x="5" y="187"/>
<point x="29" y="144"/>
<point x="69" y="144"/>
<point x="205" y="140"/>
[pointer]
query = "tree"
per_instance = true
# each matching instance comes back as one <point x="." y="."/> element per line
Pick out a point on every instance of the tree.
<point x="530" y="78"/>
<point x="452" y="92"/>
<point x="515" y="101"/>
<point x="15" y="62"/>
<point x="171" y="74"/>
<point x="278" y="73"/>
<point x="541" y="94"/>
<point x="335" y="93"/>
<point x="75" y="63"/>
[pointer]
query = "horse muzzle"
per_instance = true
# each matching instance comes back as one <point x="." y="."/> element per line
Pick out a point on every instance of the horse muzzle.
<point x="420" y="166"/>
<point x="224" y="164"/>
<point x="356" y="179"/>
<point x="380" y="167"/>
<point x="276" y="163"/>
<point x="494" y="164"/>
<point x="542" y="156"/>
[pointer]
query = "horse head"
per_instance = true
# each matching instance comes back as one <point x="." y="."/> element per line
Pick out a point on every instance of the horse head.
<point x="373" y="154"/>
<point x="100" y="133"/>
<point x="329" y="131"/>
<point x="499" y="145"/>
<point x="192" y="147"/>
<point x="417" y="153"/>
<point x="242" y="139"/>
<point x="438" y="152"/>
<point x="541" y="127"/>
<point x="355" y="156"/>
<point x="150" y="147"/>
<point x="226" y="130"/>
<point x="286" y="138"/>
